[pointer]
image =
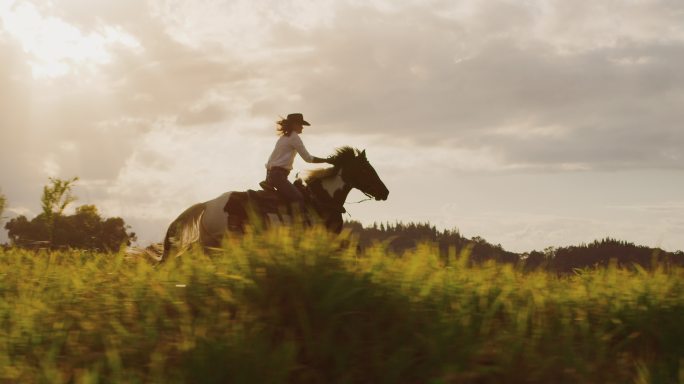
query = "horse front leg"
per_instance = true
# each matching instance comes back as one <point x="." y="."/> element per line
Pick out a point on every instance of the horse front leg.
<point x="334" y="223"/>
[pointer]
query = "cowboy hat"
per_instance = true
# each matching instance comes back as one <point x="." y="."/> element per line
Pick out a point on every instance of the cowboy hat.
<point x="297" y="118"/>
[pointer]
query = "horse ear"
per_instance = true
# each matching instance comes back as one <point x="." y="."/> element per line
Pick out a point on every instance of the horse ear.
<point x="363" y="154"/>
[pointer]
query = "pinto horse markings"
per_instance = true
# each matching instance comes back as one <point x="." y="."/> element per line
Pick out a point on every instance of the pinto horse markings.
<point x="326" y="190"/>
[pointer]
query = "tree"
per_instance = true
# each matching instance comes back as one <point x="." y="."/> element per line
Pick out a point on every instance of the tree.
<point x="400" y="237"/>
<point x="28" y="234"/>
<point x="56" y="197"/>
<point x="3" y="204"/>
<point x="83" y="230"/>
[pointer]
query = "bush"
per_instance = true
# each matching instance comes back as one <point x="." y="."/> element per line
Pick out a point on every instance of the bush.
<point x="83" y="230"/>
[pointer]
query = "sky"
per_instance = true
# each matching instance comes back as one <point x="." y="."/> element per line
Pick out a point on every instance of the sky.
<point x="530" y="123"/>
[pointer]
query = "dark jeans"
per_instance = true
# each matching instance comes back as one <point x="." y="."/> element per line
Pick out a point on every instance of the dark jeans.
<point x="277" y="177"/>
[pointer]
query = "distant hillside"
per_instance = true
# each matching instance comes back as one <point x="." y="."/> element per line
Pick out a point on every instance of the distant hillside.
<point x="400" y="237"/>
<point x="599" y="254"/>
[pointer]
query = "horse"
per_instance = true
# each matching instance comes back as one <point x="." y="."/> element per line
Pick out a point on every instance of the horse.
<point x="325" y="191"/>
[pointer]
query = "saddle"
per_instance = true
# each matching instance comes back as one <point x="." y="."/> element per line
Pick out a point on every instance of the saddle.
<point x="308" y="197"/>
<point x="237" y="206"/>
<point x="273" y="192"/>
<point x="266" y="200"/>
<point x="271" y="201"/>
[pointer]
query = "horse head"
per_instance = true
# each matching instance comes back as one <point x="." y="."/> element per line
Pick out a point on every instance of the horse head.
<point x="357" y="172"/>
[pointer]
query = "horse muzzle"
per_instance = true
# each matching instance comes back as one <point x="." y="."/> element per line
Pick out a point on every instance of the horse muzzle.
<point x="382" y="195"/>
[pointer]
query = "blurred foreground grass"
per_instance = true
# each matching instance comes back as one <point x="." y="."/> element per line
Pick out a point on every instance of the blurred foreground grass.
<point x="296" y="307"/>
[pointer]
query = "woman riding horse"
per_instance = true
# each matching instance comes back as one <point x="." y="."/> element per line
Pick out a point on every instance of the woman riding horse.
<point x="206" y="223"/>
<point x="280" y="162"/>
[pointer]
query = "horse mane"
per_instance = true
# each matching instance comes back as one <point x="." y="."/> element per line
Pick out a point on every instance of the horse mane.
<point x="341" y="155"/>
<point x="320" y="173"/>
<point x="345" y="153"/>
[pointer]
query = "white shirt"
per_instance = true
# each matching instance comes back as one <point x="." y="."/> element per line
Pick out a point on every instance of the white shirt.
<point x="285" y="150"/>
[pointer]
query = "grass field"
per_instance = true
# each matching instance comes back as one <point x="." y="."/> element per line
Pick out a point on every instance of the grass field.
<point x="283" y="307"/>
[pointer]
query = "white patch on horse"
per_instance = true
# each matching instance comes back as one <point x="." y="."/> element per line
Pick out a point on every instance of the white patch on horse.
<point x="215" y="219"/>
<point x="333" y="184"/>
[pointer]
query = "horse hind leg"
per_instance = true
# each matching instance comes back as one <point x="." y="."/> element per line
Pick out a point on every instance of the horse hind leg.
<point x="236" y="223"/>
<point x="236" y="212"/>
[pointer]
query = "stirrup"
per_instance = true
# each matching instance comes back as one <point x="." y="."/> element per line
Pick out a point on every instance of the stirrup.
<point x="267" y="187"/>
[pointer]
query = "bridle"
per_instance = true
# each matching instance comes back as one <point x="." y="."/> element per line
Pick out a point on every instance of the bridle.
<point x="368" y="197"/>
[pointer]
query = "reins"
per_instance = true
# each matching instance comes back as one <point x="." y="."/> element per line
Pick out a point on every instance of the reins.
<point x="358" y="202"/>
<point x="361" y="201"/>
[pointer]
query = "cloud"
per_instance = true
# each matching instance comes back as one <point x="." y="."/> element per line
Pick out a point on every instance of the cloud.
<point x="497" y="76"/>
<point x="89" y="122"/>
<point x="414" y="74"/>
<point x="17" y="114"/>
<point x="497" y="86"/>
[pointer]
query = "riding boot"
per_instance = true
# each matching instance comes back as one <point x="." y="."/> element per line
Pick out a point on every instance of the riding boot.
<point x="266" y="186"/>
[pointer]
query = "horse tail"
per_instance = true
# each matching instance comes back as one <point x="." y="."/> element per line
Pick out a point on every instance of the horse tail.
<point x="184" y="231"/>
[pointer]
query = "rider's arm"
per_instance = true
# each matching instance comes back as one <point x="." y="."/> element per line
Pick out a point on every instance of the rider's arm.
<point x="298" y="144"/>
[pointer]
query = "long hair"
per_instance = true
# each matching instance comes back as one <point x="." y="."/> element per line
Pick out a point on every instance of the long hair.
<point x="284" y="127"/>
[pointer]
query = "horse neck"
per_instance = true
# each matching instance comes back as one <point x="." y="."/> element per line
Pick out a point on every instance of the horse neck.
<point x="334" y="188"/>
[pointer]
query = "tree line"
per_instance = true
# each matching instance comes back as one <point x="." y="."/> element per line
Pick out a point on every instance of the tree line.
<point x="53" y="229"/>
<point x="601" y="253"/>
<point x="399" y="238"/>
<point x="86" y="229"/>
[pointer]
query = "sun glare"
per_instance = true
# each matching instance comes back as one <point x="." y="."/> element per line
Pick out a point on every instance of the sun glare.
<point x="55" y="47"/>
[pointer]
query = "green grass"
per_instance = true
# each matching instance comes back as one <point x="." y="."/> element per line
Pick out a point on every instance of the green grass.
<point x="285" y="307"/>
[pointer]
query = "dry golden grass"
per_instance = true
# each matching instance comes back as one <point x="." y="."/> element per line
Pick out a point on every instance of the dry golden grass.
<point x="293" y="306"/>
